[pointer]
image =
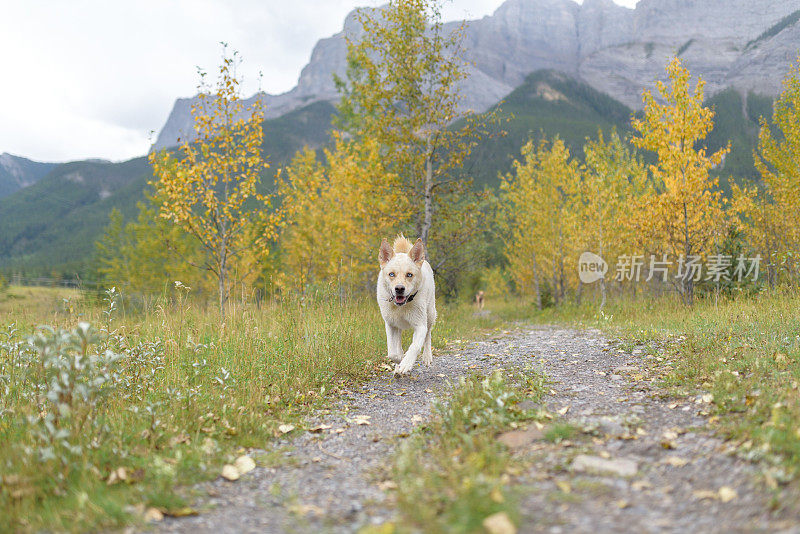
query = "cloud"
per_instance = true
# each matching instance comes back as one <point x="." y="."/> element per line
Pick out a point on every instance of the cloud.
<point x="93" y="78"/>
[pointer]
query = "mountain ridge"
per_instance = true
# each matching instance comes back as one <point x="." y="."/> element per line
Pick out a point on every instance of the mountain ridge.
<point x="617" y="50"/>
<point x="17" y="172"/>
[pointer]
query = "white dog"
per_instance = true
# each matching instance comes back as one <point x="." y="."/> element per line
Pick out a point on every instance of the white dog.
<point x="407" y="298"/>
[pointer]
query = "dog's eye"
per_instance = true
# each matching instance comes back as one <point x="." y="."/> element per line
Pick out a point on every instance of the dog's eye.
<point x="409" y="275"/>
<point x="391" y="275"/>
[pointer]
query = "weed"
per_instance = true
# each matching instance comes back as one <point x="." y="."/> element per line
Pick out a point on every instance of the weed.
<point x="452" y="474"/>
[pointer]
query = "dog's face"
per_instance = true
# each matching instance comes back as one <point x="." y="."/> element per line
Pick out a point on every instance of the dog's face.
<point x="401" y="273"/>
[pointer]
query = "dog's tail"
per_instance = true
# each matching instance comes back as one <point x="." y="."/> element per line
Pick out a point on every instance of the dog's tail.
<point x="401" y="244"/>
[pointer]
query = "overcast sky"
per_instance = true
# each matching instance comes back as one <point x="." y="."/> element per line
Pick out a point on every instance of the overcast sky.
<point x="93" y="78"/>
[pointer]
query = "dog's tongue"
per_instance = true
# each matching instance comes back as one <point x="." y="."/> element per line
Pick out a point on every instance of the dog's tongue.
<point x="400" y="299"/>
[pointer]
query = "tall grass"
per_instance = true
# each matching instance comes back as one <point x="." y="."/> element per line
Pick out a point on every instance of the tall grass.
<point x="115" y="405"/>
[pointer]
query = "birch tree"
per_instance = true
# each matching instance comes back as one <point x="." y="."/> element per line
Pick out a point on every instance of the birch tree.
<point x="401" y="90"/>
<point x="686" y="211"/>
<point x="209" y="187"/>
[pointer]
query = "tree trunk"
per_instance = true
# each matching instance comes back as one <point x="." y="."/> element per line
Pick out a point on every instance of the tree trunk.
<point x="555" y="281"/>
<point x="428" y="216"/>
<point x="561" y="284"/>
<point x="603" y="279"/>
<point x="688" y="283"/>
<point x="223" y="275"/>
<point x="536" y="284"/>
<point x="602" y="293"/>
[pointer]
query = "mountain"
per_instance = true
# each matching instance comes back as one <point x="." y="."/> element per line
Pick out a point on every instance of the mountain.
<point x="17" y="173"/>
<point x="745" y="44"/>
<point x="53" y="223"/>
<point x="548" y="103"/>
<point x="50" y="227"/>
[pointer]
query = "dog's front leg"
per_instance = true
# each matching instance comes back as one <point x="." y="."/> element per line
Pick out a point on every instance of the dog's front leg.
<point x="410" y="357"/>
<point x="394" y="343"/>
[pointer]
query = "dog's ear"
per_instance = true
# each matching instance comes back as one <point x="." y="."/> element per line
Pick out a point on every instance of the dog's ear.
<point x="417" y="252"/>
<point x="385" y="253"/>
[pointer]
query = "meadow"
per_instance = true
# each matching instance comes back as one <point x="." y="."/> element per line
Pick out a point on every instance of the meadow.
<point x="115" y="404"/>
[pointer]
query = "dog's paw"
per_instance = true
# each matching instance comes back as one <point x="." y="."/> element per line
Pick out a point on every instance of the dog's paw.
<point x="404" y="367"/>
<point x="427" y="359"/>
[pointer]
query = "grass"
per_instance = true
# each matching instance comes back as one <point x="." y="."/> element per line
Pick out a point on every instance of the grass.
<point x="166" y="392"/>
<point x="35" y="304"/>
<point x="560" y="431"/>
<point x="745" y="351"/>
<point x="452" y="474"/>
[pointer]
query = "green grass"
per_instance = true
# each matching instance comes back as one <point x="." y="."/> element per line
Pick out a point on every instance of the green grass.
<point x="35" y="304"/>
<point x="745" y="351"/>
<point x="190" y="392"/>
<point x="559" y="431"/>
<point x="452" y="474"/>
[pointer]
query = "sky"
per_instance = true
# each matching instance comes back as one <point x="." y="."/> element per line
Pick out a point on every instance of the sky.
<point x="97" y="78"/>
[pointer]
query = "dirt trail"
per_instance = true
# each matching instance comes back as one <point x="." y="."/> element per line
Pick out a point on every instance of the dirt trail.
<point x="334" y="481"/>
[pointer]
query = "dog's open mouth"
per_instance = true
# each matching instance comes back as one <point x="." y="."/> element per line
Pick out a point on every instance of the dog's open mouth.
<point x="400" y="299"/>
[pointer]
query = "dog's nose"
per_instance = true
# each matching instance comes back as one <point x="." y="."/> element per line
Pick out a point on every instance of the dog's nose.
<point x="399" y="289"/>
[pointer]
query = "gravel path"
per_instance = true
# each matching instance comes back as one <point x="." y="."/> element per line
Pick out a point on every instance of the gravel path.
<point x="642" y="464"/>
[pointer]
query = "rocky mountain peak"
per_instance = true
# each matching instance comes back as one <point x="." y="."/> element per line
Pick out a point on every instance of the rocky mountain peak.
<point x="617" y="50"/>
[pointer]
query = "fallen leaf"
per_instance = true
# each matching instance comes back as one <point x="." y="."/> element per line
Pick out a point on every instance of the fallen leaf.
<point x="499" y="523"/>
<point x="705" y="494"/>
<point x="564" y="410"/>
<point x="229" y="472"/>
<point x="622" y="504"/>
<point x="640" y="485"/>
<point x="564" y="486"/>
<point x="675" y="461"/>
<point x="361" y="419"/>
<point x="153" y="515"/>
<point x="244" y="464"/>
<point x="319" y="428"/>
<point x="285" y="428"/>
<point x="496" y="495"/>
<point x="727" y="494"/>
<point x="120" y="474"/>
<point x="184" y="511"/>
<point x="387" y="485"/>
<point x="416" y="418"/>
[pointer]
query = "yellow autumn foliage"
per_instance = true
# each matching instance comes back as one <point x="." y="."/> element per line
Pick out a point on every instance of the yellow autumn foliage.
<point x="684" y="213"/>
<point x="209" y="186"/>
